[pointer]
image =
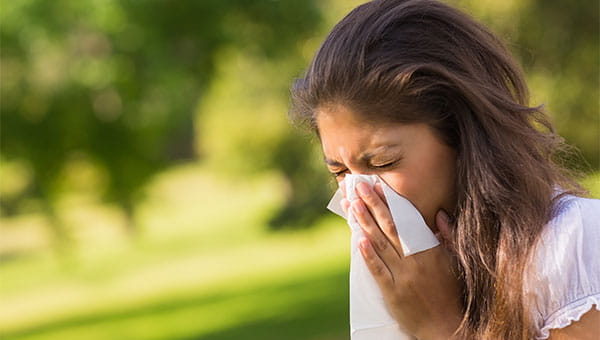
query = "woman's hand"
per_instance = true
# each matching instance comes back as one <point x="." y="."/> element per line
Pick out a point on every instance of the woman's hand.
<point x="422" y="291"/>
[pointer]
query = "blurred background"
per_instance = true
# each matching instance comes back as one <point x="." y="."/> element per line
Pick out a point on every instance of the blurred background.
<point x="151" y="186"/>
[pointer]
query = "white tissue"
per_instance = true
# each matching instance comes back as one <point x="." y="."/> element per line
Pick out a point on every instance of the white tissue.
<point x="369" y="317"/>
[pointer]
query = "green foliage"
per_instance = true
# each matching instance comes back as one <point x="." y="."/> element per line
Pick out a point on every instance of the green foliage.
<point x="592" y="184"/>
<point x="125" y="89"/>
<point x="117" y="82"/>
<point x="557" y="45"/>
<point x="560" y="51"/>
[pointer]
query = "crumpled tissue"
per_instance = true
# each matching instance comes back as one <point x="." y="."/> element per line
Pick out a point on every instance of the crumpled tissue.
<point x="369" y="317"/>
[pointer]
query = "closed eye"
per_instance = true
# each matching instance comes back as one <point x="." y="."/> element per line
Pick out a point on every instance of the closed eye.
<point x="339" y="173"/>
<point x="383" y="166"/>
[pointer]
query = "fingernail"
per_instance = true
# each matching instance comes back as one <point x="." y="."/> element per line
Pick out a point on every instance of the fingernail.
<point x="345" y="205"/>
<point x="363" y="189"/>
<point x="364" y="243"/>
<point x="444" y="216"/>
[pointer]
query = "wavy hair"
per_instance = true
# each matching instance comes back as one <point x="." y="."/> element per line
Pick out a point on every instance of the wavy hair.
<point x="410" y="61"/>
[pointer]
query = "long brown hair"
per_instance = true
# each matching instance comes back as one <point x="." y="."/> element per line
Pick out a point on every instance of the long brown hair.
<point x="423" y="61"/>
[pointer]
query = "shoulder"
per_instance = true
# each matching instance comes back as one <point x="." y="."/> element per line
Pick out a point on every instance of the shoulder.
<point x="563" y="279"/>
<point x="574" y="227"/>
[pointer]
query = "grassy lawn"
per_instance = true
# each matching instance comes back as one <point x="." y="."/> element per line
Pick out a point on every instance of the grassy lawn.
<point x="308" y="306"/>
<point x="205" y="268"/>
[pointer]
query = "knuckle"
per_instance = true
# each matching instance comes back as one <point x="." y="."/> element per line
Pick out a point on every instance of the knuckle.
<point x="379" y="270"/>
<point x="389" y="226"/>
<point x="367" y="200"/>
<point x="382" y="245"/>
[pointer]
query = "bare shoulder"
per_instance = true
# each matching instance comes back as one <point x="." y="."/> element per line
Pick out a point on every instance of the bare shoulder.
<point x="587" y="328"/>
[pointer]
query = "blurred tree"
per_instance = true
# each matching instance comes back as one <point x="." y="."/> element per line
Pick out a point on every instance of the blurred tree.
<point x="560" y="51"/>
<point x="251" y="134"/>
<point x="118" y="81"/>
<point x="558" y="45"/>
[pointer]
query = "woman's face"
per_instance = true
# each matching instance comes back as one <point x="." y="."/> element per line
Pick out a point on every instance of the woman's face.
<point x="410" y="158"/>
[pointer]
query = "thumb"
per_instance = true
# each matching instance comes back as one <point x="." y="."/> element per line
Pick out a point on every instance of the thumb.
<point x="442" y="221"/>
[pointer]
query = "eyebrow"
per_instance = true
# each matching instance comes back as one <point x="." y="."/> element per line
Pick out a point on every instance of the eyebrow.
<point x="364" y="157"/>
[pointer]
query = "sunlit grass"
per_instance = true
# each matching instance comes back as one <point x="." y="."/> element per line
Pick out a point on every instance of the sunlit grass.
<point x="205" y="267"/>
<point x="267" y="309"/>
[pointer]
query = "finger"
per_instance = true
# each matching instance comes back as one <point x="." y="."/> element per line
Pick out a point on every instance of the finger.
<point x="442" y="220"/>
<point x="345" y="205"/>
<point x="441" y="239"/>
<point x="381" y="213"/>
<point x="379" y="191"/>
<point x="382" y="245"/>
<point x="376" y="266"/>
<point x="343" y="187"/>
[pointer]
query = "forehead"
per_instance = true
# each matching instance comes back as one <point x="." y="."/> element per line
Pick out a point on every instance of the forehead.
<point x="344" y="133"/>
<point x="340" y="125"/>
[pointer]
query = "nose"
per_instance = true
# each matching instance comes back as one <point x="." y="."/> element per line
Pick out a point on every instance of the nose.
<point x="352" y="171"/>
<point x="358" y="171"/>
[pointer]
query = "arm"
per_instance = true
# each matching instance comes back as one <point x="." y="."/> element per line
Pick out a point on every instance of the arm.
<point x="587" y="328"/>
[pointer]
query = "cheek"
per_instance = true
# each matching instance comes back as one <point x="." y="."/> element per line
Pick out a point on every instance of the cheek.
<point x="429" y="188"/>
<point x="415" y="190"/>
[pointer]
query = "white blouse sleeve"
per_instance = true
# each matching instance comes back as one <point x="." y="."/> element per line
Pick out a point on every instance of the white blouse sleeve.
<point x="563" y="281"/>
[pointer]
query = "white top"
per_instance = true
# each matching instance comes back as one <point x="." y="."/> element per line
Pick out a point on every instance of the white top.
<point x="563" y="282"/>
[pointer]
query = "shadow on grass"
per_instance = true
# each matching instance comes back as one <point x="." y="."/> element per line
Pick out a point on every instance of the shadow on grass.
<point x="325" y="318"/>
<point x="311" y="307"/>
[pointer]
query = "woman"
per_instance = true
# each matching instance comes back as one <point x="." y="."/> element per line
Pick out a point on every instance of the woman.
<point x="423" y="96"/>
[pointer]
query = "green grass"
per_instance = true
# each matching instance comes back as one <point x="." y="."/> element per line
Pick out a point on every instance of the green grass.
<point x="306" y="306"/>
<point x="205" y="268"/>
